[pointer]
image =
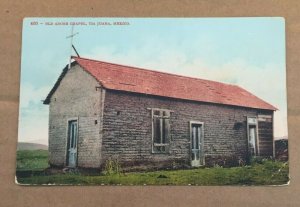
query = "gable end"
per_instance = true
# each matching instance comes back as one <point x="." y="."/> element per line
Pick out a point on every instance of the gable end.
<point x="61" y="76"/>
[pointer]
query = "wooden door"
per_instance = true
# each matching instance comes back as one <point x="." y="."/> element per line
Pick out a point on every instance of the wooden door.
<point x="196" y="145"/>
<point x="72" y="144"/>
<point x="252" y="141"/>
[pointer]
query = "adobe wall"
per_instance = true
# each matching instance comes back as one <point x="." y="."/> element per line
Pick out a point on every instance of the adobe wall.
<point x="127" y="130"/>
<point x="75" y="98"/>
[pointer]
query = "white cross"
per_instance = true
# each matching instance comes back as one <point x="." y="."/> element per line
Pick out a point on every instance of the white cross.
<point x="71" y="37"/>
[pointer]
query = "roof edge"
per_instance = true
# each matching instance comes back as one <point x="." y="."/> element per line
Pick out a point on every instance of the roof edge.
<point x="101" y="84"/>
<point x="57" y="83"/>
<point x="271" y="107"/>
<point x="191" y="100"/>
<point x="75" y="62"/>
<point x="156" y="71"/>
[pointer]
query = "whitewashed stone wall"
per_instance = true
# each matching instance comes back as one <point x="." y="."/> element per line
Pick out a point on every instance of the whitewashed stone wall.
<point x="77" y="97"/>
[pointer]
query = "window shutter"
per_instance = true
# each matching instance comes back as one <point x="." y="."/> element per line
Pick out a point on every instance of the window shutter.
<point x="166" y="130"/>
<point x="156" y="130"/>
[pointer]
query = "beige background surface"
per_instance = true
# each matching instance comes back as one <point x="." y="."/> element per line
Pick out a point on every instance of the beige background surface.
<point x="12" y="14"/>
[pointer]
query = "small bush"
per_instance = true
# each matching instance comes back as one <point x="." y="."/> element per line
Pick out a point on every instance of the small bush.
<point x="218" y="166"/>
<point x="260" y="160"/>
<point x="222" y="160"/>
<point x="256" y="160"/>
<point x="112" y="167"/>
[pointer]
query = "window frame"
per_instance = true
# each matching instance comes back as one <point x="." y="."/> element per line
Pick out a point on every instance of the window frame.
<point x="167" y="139"/>
<point x="250" y="125"/>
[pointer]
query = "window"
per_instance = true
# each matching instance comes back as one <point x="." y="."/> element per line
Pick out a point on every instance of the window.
<point x="160" y="130"/>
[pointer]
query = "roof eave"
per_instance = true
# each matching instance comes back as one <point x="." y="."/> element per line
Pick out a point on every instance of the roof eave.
<point x="57" y="83"/>
<point x="271" y="108"/>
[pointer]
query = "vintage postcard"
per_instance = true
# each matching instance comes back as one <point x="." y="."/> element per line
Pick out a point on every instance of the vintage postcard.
<point x="153" y="101"/>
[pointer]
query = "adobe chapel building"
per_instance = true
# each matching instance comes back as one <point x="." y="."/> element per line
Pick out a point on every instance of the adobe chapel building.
<point x="144" y="118"/>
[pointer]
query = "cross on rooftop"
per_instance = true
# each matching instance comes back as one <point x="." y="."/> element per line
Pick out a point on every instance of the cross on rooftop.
<point x="72" y="46"/>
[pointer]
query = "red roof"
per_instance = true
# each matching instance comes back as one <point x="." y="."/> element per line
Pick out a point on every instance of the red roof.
<point x="137" y="80"/>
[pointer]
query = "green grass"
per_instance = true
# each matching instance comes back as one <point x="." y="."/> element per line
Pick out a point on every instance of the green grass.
<point x="32" y="160"/>
<point x="266" y="173"/>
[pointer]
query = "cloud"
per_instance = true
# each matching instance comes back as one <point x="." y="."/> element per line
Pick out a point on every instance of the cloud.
<point x="33" y="118"/>
<point x="31" y="95"/>
<point x="34" y="128"/>
<point x="267" y="82"/>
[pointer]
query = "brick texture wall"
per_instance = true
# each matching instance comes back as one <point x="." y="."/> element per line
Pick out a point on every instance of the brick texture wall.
<point x="75" y="98"/>
<point x="127" y="130"/>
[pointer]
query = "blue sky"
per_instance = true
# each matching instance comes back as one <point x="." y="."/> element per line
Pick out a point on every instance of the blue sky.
<point x="249" y="52"/>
